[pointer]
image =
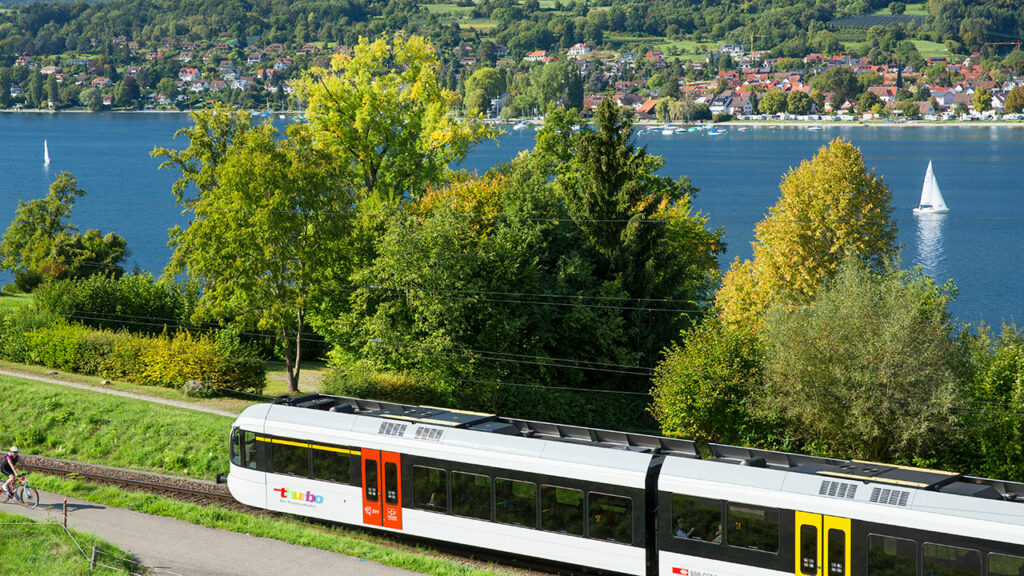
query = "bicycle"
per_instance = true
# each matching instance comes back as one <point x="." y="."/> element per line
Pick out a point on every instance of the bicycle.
<point x="22" y="492"/>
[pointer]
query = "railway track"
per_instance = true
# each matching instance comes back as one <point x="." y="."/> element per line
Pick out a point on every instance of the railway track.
<point x="185" y="489"/>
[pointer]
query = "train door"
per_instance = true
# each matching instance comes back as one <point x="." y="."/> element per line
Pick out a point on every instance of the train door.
<point x="822" y="545"/>
<point x="382" y="494"/>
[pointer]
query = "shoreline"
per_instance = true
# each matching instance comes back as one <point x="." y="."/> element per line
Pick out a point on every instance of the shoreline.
<point x="640" y="123"/>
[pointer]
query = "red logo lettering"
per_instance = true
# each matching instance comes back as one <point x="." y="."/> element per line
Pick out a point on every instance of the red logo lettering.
<point x="283" y="491"/>
<point x="681" y="571"/>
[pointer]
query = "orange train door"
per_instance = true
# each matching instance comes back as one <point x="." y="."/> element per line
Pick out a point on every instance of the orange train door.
<point x="382" y="494"/>
<point x="822" y="545"/>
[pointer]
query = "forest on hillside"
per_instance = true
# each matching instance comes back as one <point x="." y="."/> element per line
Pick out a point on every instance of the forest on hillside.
<point x="788" y="28"/>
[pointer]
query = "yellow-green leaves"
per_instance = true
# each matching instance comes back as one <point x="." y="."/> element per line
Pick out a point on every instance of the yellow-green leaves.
<point x="385" y="116"/>
<point x="832" y="208"/>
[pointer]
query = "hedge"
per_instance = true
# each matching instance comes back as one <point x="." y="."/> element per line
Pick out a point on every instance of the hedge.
<point x="169" y="361"/>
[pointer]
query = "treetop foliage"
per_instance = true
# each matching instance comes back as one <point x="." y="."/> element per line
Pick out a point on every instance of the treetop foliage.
<point x="386" y="115"/>
<point x="831" y="208"/>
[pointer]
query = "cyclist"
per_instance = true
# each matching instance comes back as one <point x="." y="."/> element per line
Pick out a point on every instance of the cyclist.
<point x="7" y="468"/>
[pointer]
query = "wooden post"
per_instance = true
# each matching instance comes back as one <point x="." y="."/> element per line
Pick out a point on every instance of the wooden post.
<point x="64" y="509"/>
<point x="92" y="561"/>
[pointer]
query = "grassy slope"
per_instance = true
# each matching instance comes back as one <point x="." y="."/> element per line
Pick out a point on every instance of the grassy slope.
<point x="44" y="549"/>
<point x="53" y="420"/>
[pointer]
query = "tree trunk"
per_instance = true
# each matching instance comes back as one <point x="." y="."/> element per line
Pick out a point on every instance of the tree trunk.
<point x="292" y="362"/>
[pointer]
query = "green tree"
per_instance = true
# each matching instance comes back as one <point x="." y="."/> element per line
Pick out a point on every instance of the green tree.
<point x="268" y="234"/>
<point x="167" y="88"/>
<point x="1015" y="100"/>
<point x="490" y="83"/>
<point x="869" y="369"/>
<point x="995" y="434"/>
<point x="798" y="103"/>
<point x="703" y="385"/>
<point x="982" y="99"/>
<point x="42" y="242"/>
<point x="840" y="81"/>
<point x="92" y="99"/>
<point x="5" y="87"/>
<point x="867" y="101"/>
<point x="831" y="208"/>
<point x="773" y="102"/>
<point x="356" y="106"/>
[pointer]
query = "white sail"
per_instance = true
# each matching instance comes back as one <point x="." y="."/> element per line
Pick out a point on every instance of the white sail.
<point x="46" y="154"/>
<point x="932" y="201"/>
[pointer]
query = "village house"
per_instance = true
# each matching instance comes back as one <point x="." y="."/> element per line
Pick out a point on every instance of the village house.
<point x="189" y="74"/>
<point x="577" y="50"/>
<point x="538" y="56"/>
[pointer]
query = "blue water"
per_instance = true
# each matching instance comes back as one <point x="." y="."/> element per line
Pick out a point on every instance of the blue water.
<point x="979" y="244"/>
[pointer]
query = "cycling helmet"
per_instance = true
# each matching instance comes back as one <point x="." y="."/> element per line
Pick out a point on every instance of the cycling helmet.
<point x="14" y="449"/>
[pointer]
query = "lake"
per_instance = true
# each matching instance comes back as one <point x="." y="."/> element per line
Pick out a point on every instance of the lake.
<point x="980" y="169"/>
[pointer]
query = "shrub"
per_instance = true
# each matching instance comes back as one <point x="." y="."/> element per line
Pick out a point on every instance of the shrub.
<point x="173" y="361"/>
<point x="13" y="327"/>
<point x="135" y="302"/>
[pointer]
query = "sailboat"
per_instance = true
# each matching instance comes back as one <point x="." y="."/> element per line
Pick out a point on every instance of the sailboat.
<point x="931" y="198"/>
<point x="46" y="154"/>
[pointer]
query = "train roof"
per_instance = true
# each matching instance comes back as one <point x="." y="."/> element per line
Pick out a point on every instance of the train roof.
<point x="824" y="468"/>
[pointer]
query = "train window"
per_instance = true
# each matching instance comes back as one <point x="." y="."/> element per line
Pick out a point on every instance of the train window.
<point x="611" y="517"/>
<point x="370" y="479"/>
<point x="235" y="445"/>
<point x="697" y="518"/>
<point x="889" y="556"/>
<point x="430" y="488"/>
<point x="753" y="527"/>
<point x="249" y="449"/>
<point x="332" y="465"/>
<point x="1003" y="565"/>
<point x="940" y="559"/>
<point x="836" y="552"/>
<point x="290" y="458"/>
<point x="561" y="510"/>
<point x="390" y="483"/>
<point x="808" y="549"/>
<point x="471" y="495"/>
<point x="516" y="502"/>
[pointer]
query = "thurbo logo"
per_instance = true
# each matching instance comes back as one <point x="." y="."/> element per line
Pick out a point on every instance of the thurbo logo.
<point x="303" y="497"/>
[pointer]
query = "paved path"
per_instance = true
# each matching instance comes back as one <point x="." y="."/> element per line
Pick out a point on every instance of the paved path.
<point x="70" y="384"/>
<point x="172" y="547"/>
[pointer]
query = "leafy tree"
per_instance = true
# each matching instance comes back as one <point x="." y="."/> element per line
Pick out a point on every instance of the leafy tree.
<point x="840" y="81"/>
<point x="92" y="99"/>
<point x="995" y="433"/>
<point x="897" y="8"/>
<point x="909" y="108"/>
<point x="5" y="87"/>
<point x="867" y="101"/>
<point x="869" y="368"/>
<point x="357" y="106"/>
<point x="982" y="99"/>
<point x="774" y="102"/>
<point x="798" y="103"/>
<point x="490" y="82"/>
<point x="831" y="208"/>
<point x="43" y="243"/>
<point x="582" y="220"/>
<point x="1015" y="100"/>
<point x="703" y="385"/>
<point x="268" y="235"/>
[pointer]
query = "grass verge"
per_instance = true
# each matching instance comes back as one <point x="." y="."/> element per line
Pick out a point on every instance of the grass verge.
<point x="44" y="549"/>
<point x="61" y="422"/>
<point x="294" y="531"/>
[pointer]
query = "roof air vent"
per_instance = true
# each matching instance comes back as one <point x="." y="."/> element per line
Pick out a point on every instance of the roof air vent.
<point x="837" y="489"/>
<point x="890" y="496"/>
<point x="392" y="429"/>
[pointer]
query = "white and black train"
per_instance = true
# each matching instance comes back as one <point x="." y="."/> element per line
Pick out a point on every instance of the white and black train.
<point x="617" y="502"/>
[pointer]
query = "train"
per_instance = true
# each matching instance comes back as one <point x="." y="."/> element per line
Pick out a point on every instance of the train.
<point x="608" y="502"/>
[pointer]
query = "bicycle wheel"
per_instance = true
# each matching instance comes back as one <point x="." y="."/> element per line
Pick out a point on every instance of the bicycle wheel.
<point x="4" y="497"/>
<point x="29" y="497"/>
